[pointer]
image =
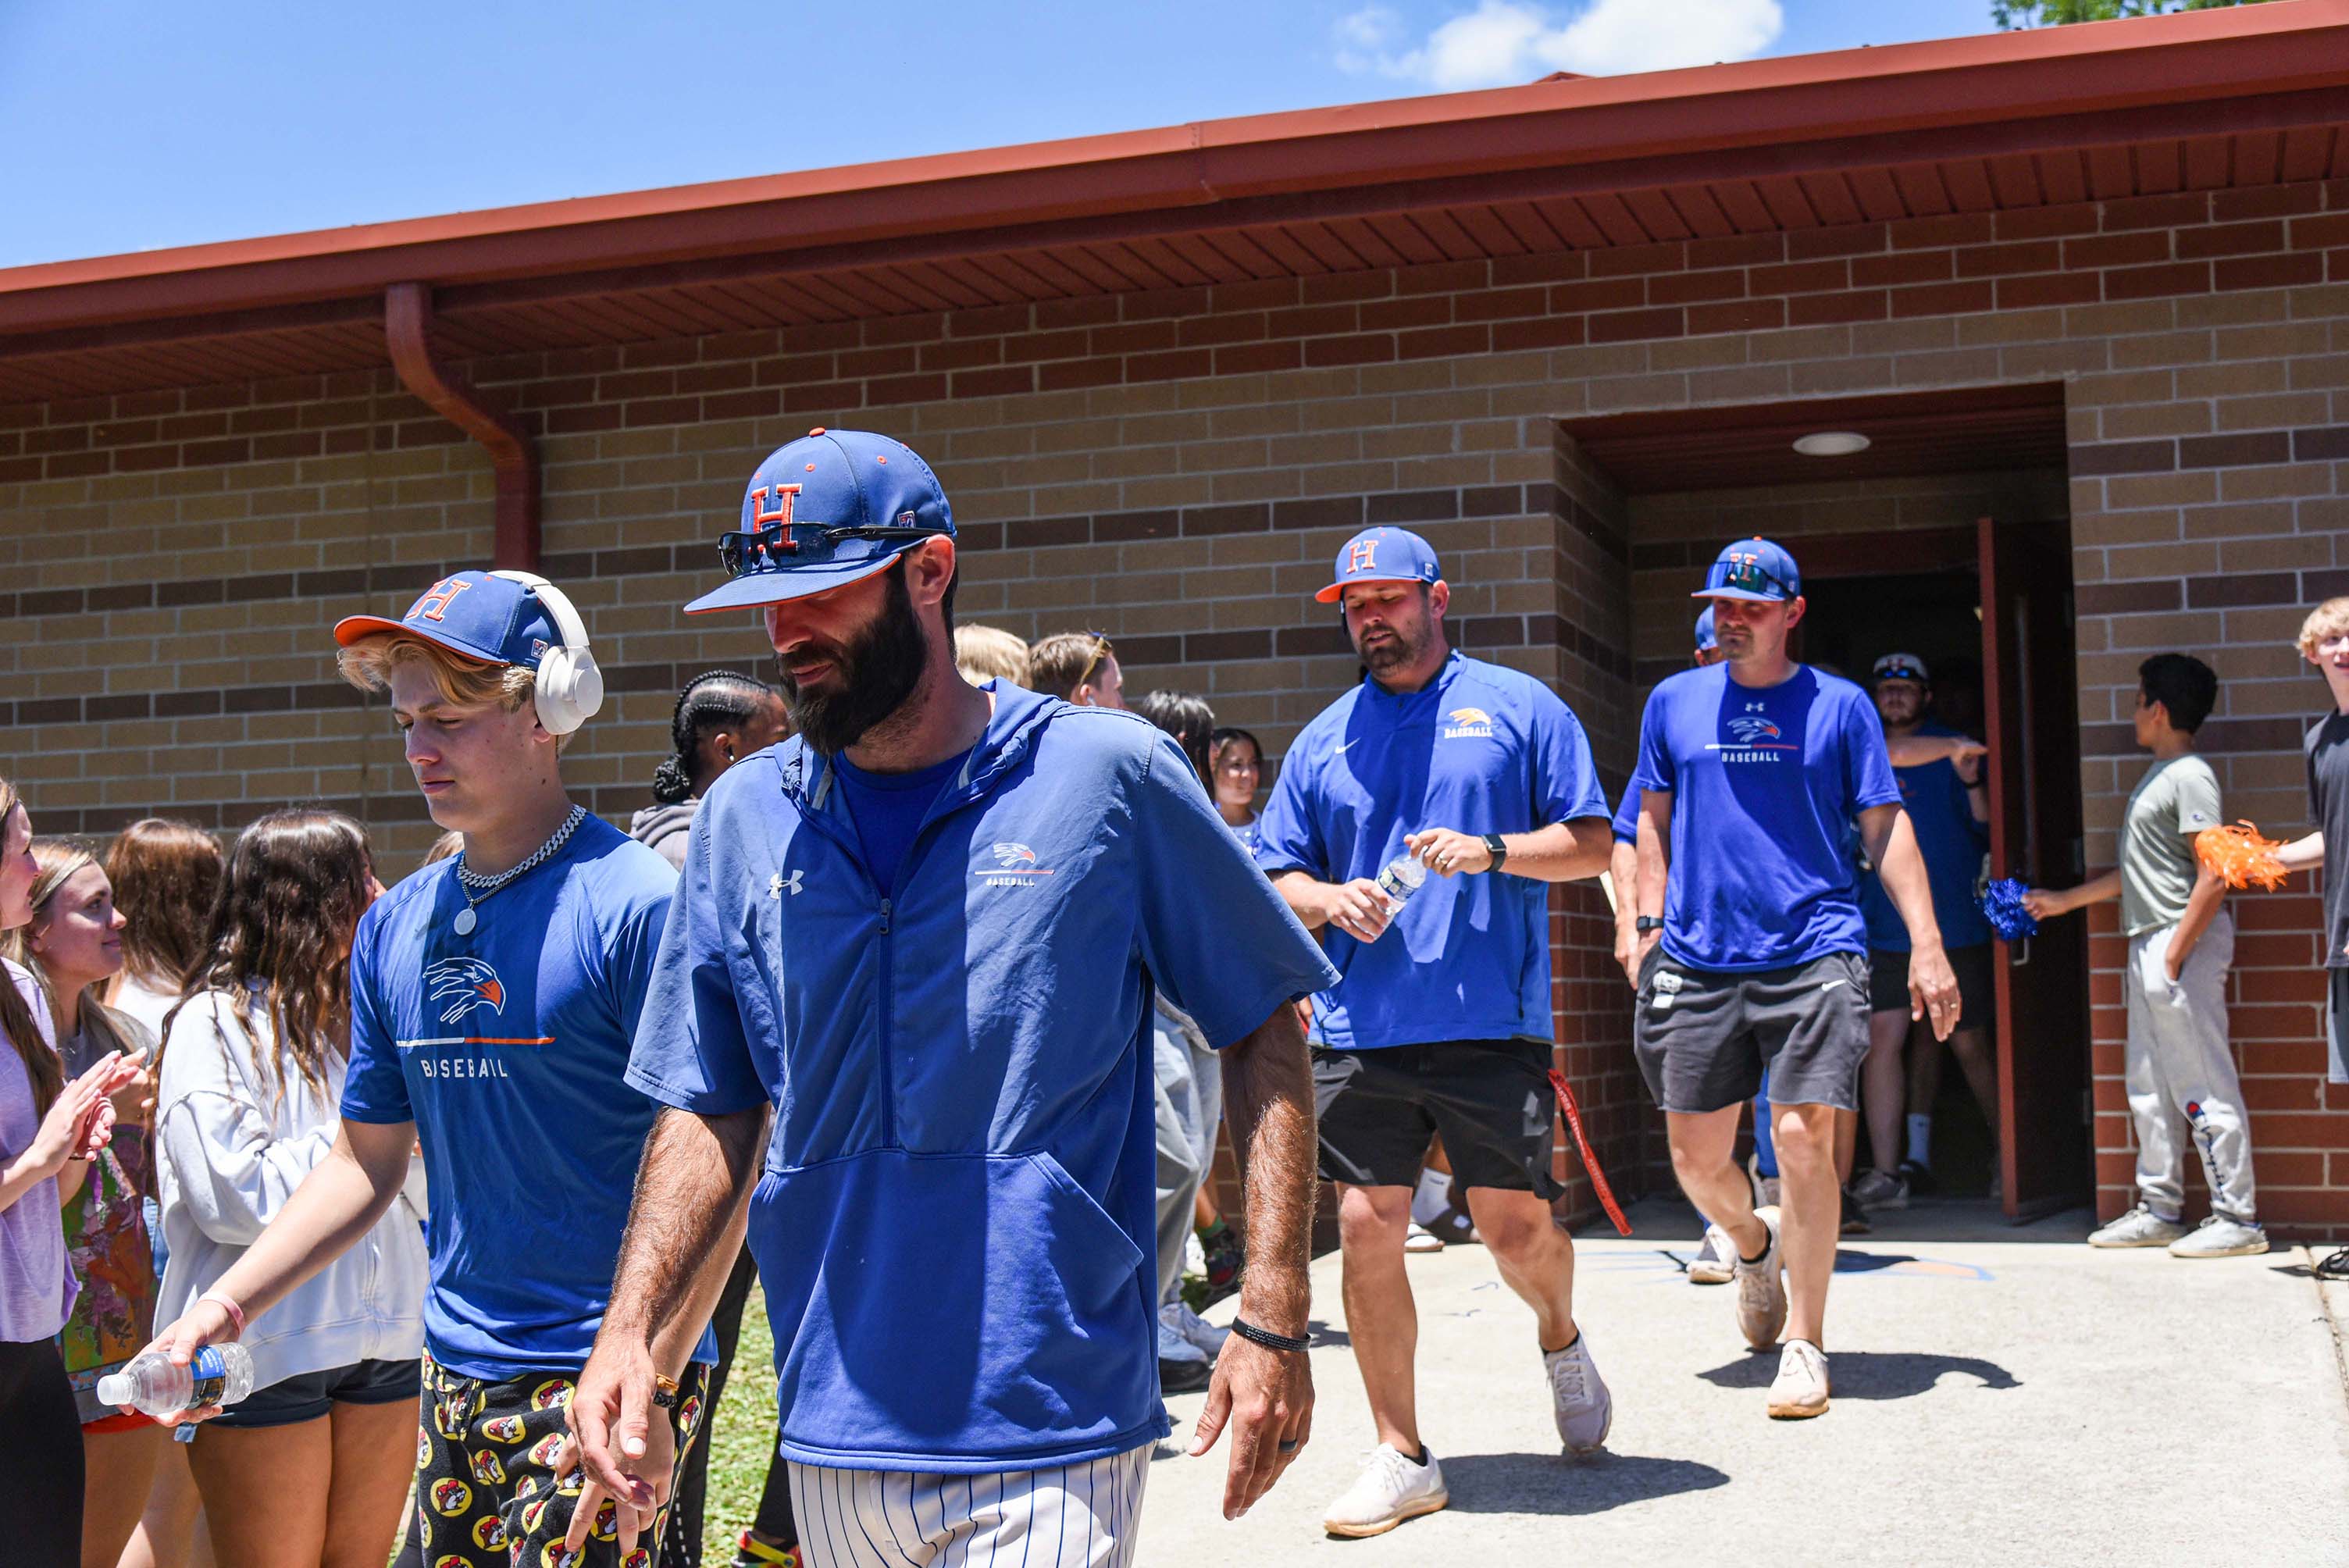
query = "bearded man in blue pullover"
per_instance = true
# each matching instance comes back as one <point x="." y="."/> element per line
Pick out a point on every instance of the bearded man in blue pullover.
<point x="927" y="931"/>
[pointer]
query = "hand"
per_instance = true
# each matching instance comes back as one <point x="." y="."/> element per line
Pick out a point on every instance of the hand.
<point x="1933" y="989"/>
<point x="1359" y="909"/>
<point x="627" y="1445"/>
<point x="204" y="1322"/>
<point x="1627" y="951"/>
<point x="1266" y="1397"/>
<point x="134" y="1098"/>
<point x="79" y="1117"/>
<point x="2173" y="962"/>
<point x="99" y="1133"/>
<point x="1966" y="759"/>
<point x="2043" y="905"/>
<point x="1446" y="852"/>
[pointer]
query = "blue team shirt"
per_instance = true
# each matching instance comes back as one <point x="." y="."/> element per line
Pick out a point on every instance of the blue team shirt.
<point x="1764" y="783"/>
<point x="1626" y="824"/>
<point x="956" y="1222"/>
<point x="1480" y="749"/>
<point x="507" y="1048"/>
<point x="888" y="808"/>
<point x="1951" y="842"/>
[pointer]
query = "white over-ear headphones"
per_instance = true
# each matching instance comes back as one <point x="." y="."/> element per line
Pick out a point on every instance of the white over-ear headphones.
<point x="570" y="687"/>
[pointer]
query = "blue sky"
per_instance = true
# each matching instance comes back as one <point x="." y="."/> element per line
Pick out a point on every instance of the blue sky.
<point x="135" y="124"/>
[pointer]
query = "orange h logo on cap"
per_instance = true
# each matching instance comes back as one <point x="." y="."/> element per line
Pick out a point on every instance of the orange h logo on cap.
<point x="786" y="496"/>
<point x="1360" y="555"/>
<point x="434" y="605"/>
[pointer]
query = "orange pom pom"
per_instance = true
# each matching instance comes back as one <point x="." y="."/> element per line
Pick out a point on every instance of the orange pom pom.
<point x="2239" y="857"/>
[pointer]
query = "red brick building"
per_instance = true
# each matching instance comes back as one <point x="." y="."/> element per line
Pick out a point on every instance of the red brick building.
<point x="2085" y="290"/>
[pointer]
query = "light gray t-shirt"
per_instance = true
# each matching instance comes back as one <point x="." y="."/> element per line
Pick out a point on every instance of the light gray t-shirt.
<point x="2175" y="801"/>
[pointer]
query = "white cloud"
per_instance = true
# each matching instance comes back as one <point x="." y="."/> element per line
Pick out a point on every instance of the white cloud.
<point x="1503" y="41"/>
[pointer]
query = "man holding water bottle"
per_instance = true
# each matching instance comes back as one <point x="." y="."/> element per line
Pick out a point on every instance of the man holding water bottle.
<point x="1435" y="762"/>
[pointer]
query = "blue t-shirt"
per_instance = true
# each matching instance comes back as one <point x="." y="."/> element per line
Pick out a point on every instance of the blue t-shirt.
<point x="955" y="1225"/>
<point x="1951" y="842"/>
<point x="888" y="808"/>
<point x="1479" y="750"/>
<point x="1764" y="783"/>
<point x="507" y="1048"/>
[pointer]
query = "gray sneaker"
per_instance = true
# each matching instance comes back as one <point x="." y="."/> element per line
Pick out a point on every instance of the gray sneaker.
<point x="1578" y="1396"/>
<point x="1762" y="1291"/>
<point x="2221" y="1237"/>
<point x="2141" y="1227"/>
<point x="1880" y="1190"/>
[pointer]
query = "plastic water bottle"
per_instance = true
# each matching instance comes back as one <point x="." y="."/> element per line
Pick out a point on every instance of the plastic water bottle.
<point x="1404" y="875"/>
<point x="219" y="1375"/>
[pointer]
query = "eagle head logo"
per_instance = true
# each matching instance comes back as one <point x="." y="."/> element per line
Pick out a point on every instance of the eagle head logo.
<point x="1471" y="716"/>
<point x="1752" y="731"/>
<point x="462" y="985"/>
<point x="1014" y="857"/>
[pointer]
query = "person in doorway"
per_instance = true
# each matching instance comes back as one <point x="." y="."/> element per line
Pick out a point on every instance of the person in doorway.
<point x="1481" y="775"/>
<point x="721" y="717"/>
<point x="1235" y="763"/>
<point x="73" y="946"/>
<point x="51" y="1129"/>
<point x="2324" y="642"/>
<point x="2178" y="1069"/>
<point x="1715" y="1262"/>
<point x="492" y="999"/>
<point x="312" y="1467"/>
<point x="1948" y="802"/>
<point x="1753" y="952"/>
<point x="925" y="928"/>
<point x="1190" y="1111"/>
<point x="1077" y="666"/>
<point x="984" y="654"/>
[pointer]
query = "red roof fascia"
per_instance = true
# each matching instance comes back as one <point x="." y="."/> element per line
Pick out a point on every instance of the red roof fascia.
<point x="1682" y="116"/>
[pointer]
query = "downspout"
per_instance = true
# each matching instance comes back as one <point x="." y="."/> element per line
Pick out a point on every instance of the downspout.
<point x="407" y="328"/>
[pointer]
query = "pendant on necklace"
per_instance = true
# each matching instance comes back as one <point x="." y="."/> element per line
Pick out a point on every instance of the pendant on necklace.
<point x="465" y="922"/>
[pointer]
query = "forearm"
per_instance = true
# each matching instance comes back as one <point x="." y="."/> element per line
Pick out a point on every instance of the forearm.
<point x="1561" y="851"/>
<point x="1623" y="868"/>
<point x="2303" y="854"/>
<point x="23" y="1174"/>
<point x="70" y="1179"/>
<point x="2202" y="908"/>
<point x="1303" y="893"/>
<point x="1900" y="866"/>
<point x="338" y="1202"/>
<point x="685" y="1226"/>
<point x="1268" y="1096"/>
<point x="1654" y="850"/>
<point x="2094" y="891"/>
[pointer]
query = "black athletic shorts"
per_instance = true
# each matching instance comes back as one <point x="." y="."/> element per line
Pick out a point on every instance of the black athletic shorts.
<point x="1703" y="1036"/>
<point x="307" y="1396"/>
<point x="1887" y="982"/>
<point x="1491" y="1100"/>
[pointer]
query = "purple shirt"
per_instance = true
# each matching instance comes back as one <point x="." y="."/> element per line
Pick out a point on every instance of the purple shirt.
<point x="36" y="1289"/>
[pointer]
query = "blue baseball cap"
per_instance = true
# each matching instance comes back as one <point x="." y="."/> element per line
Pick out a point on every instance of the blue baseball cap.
<point x="1705" y="641"/>
<point x="475" y="614"/>
<point x="1381" y="555"/>
<point x="1753" y="569"/>
<point x="824" y="511"/>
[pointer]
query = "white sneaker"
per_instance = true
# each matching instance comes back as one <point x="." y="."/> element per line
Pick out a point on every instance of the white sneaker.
<point x="1389" y="1490"/>
<point x="2140" y="1227"/>
<point x="1177" y="1318"/>
<point x="1762" y="1291"/>
<point x="1420" y="1239"/>
<point x="2221" y="1237"/>
<point x="1800" y="1390"/>
<point x="1578" y="1396"/>
<point x="1716" y="1258"/>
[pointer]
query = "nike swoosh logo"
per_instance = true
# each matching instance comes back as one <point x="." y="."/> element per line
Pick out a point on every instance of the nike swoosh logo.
<point x="1340" y="747"/>
<point x="1831" y="984"/>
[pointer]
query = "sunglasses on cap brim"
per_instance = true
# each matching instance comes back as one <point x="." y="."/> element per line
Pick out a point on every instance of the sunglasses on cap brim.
<point x="786" y="545"/>
<point x="1746" y="576"/>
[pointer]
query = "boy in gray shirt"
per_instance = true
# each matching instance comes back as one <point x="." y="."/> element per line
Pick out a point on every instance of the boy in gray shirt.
<point x="2180" y="1073"/>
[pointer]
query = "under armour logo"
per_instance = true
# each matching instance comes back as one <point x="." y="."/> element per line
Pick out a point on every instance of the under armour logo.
<point x="786" y="496"/>
<point x="1361" y="554"/>
<point x="777" y="886"/>
<point x="1755" y="707"/>
<point x="437" y="599"/>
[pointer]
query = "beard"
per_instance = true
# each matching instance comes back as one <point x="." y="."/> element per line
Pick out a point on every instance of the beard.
<point x="1398" y="651"/>
<point x="876" y="673"/>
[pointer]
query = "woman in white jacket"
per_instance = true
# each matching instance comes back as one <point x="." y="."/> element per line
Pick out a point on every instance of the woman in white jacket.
<point x="311" y="1469"/>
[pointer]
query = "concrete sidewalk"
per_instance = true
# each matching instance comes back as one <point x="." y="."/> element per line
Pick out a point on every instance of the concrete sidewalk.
<point x="2001" y="1396"/>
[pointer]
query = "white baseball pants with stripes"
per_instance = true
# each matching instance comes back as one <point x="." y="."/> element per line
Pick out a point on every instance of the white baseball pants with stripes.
<point x="1082" y="1515"/>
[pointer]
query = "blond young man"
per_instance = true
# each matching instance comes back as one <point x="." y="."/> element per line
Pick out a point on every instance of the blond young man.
<point x="984" y="654"/>
<point x="493" y="998"/>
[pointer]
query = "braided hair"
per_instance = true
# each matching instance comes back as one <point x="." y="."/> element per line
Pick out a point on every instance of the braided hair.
<point x="713" y="700"/>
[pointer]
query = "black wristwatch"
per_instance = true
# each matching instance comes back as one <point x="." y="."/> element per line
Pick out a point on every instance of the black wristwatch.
<point x="1497" y="850"/>
<point x="1648" y="922"/>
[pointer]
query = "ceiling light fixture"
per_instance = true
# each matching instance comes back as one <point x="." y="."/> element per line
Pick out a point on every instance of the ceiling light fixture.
<point x="1831" y="443"/>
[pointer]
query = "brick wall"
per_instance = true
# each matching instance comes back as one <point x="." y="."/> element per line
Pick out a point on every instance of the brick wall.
<point x="1177" y="468"/>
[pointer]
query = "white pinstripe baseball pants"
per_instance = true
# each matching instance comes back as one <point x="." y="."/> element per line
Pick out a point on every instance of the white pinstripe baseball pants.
<point x="1070" y="1516"/>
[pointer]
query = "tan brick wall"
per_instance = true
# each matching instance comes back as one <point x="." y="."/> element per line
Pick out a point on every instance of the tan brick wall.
<point x="1176" y="469"/>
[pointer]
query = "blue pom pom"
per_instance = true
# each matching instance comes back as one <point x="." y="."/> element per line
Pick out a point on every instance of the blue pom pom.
<point x="2001" y="905"/>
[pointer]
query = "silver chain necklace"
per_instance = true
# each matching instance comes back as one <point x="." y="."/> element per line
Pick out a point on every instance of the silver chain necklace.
<point x="477" y="887"/>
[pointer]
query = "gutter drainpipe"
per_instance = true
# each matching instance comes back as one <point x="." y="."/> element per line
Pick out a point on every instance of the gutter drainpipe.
<point x="408" y="329"/>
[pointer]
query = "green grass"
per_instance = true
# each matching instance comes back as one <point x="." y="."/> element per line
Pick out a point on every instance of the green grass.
<point x="743" y="1435"/>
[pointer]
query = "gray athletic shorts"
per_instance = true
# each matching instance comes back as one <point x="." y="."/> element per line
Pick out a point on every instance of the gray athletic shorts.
<point x="1704" y="1036"/>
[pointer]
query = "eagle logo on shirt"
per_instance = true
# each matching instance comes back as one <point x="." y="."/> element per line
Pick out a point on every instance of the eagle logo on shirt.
<point x="1014" y="857"/>
<point x="464" y="984"/>
<point x="1471" y="716"/>
<point x="1752" y="731"/>
<point x="1468" y="724"/>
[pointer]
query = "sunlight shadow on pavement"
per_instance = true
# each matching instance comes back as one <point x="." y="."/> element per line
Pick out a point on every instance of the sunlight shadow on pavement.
<point x="1553" y="1484"/>
<point x="1864" y="1374"/>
